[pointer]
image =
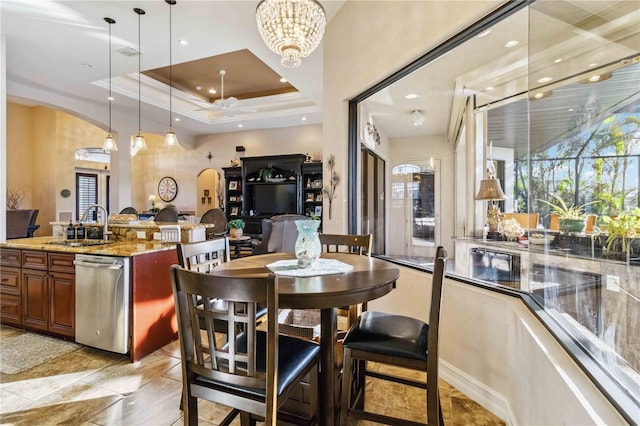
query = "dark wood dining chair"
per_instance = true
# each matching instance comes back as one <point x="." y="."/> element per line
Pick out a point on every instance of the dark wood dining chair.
<point x="255" y="371"/>
<point x="203" y="256"/>
<point x="129" y="210"/>
<point x="394" y="340"/>
<point x="348" y="243"/>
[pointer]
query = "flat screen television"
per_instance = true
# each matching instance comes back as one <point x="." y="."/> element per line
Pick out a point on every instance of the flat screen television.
<point x="275" y="199"/>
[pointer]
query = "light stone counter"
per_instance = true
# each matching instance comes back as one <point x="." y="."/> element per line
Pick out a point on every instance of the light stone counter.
<point x="113" y="248"/>
<point x="189" y="232"/>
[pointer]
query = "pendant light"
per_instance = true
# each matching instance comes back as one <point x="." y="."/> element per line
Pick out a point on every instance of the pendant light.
<point x="170" y="139"/>
<point x="141" y="144"/>
<point x="109" y="142"/>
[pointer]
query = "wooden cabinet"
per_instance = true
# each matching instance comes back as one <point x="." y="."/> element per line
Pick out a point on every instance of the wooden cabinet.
<point x="312" y="189"/>
<point x="276" y="184"/>
<point x="234" y="191"/>
<point x="10" y="287"/>
<point x="48" y="292"/>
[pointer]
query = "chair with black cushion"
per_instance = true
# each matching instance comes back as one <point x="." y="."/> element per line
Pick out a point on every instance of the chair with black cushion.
<point x="255" y="372"/>
<point x="398" y="341"/>
<point x="279" y="234"/>
<point x="219" y="219"/>
<point x="167" y="214"/>
<point x="129" y="210"/>
<point x="354" y="244"/>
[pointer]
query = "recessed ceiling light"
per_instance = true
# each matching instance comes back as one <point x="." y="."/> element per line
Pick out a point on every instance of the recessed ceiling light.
<point x="557" y="61"/>
<point x="512" y="43"/>
<point x="411" y="96"/>
<point x="570" y="109"/>
<point x="594" y="78"/>
<point x="239" y="125"/>
<point x="304" y="118"/>
<point x="545" y="79"/>
<point x="177" y="119"/>
<point x="87" y="65"/>
<point x="283" y="80"/>
<point x="484" y="33"/>
<point x="110" y="98"/>
<point x="183" y="42"/>
<point x="592" y="65"/>
<point x="490" y="88"/>
<point x="538" y="95"/>
<point x="198" y="87"/>
<point x="212" y="91"/>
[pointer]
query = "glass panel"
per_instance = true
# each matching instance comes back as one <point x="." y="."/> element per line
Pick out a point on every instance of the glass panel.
<point x="551" y="94"/>
<point x="584" y="147"/>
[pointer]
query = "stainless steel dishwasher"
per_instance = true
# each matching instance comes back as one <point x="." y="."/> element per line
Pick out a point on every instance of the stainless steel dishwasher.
<point x="102" y="302"/>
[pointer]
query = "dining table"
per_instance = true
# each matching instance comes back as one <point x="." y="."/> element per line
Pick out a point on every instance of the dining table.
<point x="369" y="278"/>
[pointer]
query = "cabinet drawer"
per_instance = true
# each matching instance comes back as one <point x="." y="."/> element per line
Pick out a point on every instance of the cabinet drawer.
<point x="9" y="257"/>
<point x="59" y="262"/>
<point x="9" y="280"/>
<point x="34" y="259"/>
<point x="10" y="310"/>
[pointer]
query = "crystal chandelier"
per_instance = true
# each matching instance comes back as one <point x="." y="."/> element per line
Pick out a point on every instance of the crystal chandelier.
<point x="291" y="28"/>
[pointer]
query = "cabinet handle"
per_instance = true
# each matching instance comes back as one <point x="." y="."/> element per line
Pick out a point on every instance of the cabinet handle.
<point x="4" y="308"/>
<point x="4" y="280"/>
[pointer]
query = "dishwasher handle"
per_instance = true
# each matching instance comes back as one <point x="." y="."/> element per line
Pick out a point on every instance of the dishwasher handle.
<point x="97" y="265"/>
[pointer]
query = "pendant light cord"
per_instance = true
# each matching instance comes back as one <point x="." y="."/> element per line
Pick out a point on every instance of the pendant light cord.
<point x="139" y="55"/>
<point x="110" y="97"/>
<point x="170" y="71"/>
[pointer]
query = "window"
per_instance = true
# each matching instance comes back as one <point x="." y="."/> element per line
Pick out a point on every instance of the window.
<point x="87" y="194"/>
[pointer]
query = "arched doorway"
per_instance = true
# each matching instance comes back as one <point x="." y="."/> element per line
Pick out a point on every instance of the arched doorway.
<point x="209" y="187"/>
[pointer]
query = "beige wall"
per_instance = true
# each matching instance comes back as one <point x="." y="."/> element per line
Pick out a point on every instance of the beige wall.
<point x="41" y="144"/>
<point x="367" y="41"/>
<point x="148" y="167"/>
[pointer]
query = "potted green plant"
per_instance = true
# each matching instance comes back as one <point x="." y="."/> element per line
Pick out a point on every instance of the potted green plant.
<point x="571" y="217"/>
<point x="266" y="173"/>
<point x="622" y="230"/>
<point x="235" y="227"/>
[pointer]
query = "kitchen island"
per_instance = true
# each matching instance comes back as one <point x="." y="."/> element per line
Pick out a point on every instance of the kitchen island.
<point x="38" y="288"/>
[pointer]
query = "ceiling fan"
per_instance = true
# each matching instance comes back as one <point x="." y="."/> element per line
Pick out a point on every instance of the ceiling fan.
<point x="226" y="106"/>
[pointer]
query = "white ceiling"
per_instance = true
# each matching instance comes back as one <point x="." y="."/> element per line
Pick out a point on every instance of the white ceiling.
<point x="581" y="33"/>
<point x="60" y="48"/>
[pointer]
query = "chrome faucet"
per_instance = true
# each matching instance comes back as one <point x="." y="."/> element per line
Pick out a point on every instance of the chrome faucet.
<point x="105" y="230"/>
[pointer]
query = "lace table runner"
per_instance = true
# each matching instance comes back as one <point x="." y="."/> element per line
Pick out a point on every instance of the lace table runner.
<point x="290" y="268"/>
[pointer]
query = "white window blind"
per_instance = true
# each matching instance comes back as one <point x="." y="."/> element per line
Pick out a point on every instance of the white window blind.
<point x="87" y="190"/>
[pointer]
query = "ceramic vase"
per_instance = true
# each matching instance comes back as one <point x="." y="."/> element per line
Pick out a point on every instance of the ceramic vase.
<point x="308" y="247"/>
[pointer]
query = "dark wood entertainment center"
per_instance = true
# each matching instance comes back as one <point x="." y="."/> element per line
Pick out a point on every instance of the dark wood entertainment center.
<point x="277" y="184"/>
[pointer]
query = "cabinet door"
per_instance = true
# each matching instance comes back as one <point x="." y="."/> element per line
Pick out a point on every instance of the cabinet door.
<point x="62" y="304"/>
<point x="35" y="299"/>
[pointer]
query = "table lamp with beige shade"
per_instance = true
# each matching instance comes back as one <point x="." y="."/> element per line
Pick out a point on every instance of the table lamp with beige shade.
<point x="152" y="199"/>
<point x="491" y="190"/>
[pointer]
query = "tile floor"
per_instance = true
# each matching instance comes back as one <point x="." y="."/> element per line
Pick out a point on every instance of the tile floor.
<point x="93" y="387"/>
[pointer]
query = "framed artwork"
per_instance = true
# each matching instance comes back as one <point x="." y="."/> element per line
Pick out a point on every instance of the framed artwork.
<point x="319" y="198"/>
<point x="233" y="185"/>
<point x="316" y="184"/>
<point x="203" y="200"/>
<point x="310" y="196"/>
<point x="232" y="199"/>
<point x="234" y="211"/>
<point x="206" y="192"/>
<point x="318" y="211"/>
<point x="209" y="200"/>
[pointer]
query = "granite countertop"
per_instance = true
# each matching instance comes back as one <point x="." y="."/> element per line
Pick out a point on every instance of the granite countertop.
<point x="142" y="224"/>
<point x="115" y="248"/>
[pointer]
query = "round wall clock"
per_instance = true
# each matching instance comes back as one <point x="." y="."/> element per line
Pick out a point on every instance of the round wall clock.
<point x="167" y="188"/>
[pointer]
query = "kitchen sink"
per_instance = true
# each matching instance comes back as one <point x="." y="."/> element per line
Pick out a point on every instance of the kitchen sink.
<point x="84" y="243"/>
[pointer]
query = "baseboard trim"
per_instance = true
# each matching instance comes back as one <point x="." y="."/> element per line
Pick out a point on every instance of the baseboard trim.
<point x="477" y="391"/>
